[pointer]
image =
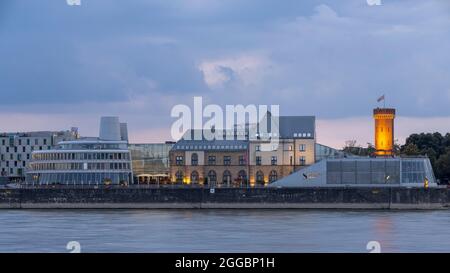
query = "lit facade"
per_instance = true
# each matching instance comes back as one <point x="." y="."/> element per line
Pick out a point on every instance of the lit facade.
<point x="151" y="162"/>
<point x="384" y="131"/>
<point x="245" y="162"/>
<point x="215" y="163"/>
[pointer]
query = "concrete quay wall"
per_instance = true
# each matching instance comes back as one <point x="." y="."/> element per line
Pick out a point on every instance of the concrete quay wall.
<point x="225" y="198"/>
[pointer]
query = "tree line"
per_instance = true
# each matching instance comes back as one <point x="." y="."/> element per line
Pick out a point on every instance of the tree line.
<point x="433" y="145"/>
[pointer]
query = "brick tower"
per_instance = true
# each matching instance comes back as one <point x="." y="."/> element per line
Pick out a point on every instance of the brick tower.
<point x="384" y="131"/>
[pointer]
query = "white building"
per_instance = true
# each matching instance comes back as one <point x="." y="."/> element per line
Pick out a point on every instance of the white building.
<point x="86" y="161"/>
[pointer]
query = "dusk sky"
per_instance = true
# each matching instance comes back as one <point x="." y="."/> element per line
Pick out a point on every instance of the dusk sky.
<point x="64" y="66"/>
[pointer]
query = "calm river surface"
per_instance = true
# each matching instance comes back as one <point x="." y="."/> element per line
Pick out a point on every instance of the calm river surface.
<point x="223" y="230"/>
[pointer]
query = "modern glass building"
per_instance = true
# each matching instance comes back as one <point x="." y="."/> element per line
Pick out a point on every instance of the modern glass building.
<point x="363" y="171"/>
<point x="87" y="161"/>
<point x="151" y="162"/>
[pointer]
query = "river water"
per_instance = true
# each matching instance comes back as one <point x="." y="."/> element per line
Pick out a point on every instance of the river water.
<point x="223" y="230"/>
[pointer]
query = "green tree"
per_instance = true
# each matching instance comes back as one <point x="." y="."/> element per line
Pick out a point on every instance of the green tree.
<point x="443" y="167"/>
<point x="411" y="149"/>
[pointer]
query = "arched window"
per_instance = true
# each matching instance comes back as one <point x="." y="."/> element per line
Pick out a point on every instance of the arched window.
<point x="212" y="177"/>
<point x="194" y="159"/>
<point x="242" y="176"/>
<point x="179" y="177"/>
<point x="273" y="176"/>
<point x="226" y="177"/>
<point x="194" y="177"/>
<point x="260" y="177"/>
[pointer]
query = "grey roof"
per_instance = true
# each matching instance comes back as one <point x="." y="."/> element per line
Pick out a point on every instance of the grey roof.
<point x="203" y="144"/>
<point x="292" y="126"/>
<point x="32" y="134"/>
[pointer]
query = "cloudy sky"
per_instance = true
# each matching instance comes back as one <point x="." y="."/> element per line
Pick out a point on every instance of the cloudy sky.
<point x="63" y="66"/>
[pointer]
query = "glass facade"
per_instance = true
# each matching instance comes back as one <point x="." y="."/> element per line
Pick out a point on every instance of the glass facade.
<point x="151" y="162"/>
<point x="379" y="171"/>
<point x="81" y="163"/>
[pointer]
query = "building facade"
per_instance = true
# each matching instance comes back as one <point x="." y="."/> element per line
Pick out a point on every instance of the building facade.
<point x="16" y="150"/>
<point x="151" y="162"/>
<point x="99" y="160"/>
<point x="214" y="163"/>
<point x="294" y="149"/>
<point x="245" y="160"/>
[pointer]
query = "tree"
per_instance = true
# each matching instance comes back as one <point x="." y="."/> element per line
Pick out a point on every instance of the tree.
<point x="411" y="149"/>
<point x="443" y="167"/>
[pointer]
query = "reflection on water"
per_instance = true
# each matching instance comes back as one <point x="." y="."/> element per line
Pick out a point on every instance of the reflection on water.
<point x="223" y="230"/>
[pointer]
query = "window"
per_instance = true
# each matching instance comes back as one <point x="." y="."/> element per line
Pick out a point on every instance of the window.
<point x="302" y="160"/>
<point x="258" y="148"/>
<point x="28" y="142"/>
<point x="212" y="160"/>
<point x="302" y="147"/>
<point x="179" y="160"/>
<point x="194" y="177"/>
<point x="45" y="141"/>
<point x="23" y="149"/>
<point x="273" y="176"/>
<point x="226" y="177"/>
<point x="179" y="177"/>
<point x="273" y="160"/>
<point x="227" y="160"/>
<point x="258" y="160"/>
<point x="242" y="160"/>
<point x="36" y="141"/>
<point x="242" y="176"/>
<point x="212" y="177"/>
<point x="260" y="177"/>
<point x="194" y="159"/>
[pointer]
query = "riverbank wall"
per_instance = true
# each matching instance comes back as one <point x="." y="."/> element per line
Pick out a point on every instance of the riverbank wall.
<point x="225" y="198"/>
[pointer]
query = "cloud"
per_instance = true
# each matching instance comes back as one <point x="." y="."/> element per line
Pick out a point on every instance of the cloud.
<point x="247" y="69"/>
<point x="331" y="60"/>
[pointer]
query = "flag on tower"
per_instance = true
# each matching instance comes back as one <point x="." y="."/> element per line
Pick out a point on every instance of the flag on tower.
<point x="380" y="98"/>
